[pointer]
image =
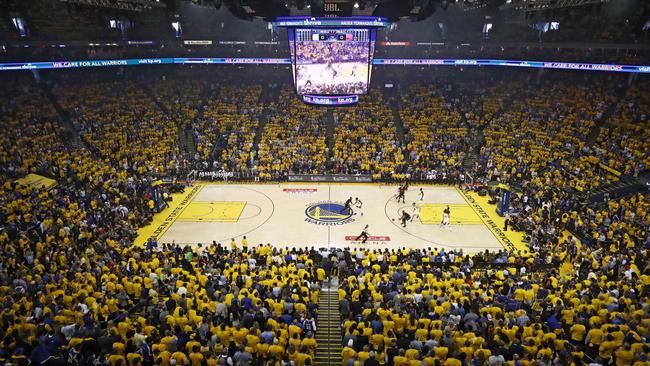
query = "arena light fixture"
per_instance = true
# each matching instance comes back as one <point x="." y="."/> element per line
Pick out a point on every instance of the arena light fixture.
<point x="532" y="5"/>
<point x="130" y="5"/>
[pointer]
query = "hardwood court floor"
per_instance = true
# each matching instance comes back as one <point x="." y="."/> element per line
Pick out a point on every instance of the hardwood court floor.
<point x="313" y="214"/>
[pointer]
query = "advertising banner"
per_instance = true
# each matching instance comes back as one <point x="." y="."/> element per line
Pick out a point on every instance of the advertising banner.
<point x="342" y="178"/>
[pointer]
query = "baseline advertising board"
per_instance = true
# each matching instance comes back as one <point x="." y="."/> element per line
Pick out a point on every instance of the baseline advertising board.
<point x="329" y="178"/>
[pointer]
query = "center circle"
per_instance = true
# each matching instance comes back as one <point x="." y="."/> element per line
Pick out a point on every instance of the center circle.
<point x="328" y="212"/>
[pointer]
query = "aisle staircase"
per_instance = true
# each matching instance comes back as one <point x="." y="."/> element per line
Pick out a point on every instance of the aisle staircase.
<point x="394" y="104"/>
<point x="604" y="118"/>
<point x="478" y="137"/>
<point x="69" y="134"/>
<point x="626" y="186"/>
<point x="186" y="139"/>
<point x="329" y="128"/>
<point x="270" y="94"/>
<point x="184" y="132"/>
<point x="152" y="95"/>
<point x="328" y="326"/>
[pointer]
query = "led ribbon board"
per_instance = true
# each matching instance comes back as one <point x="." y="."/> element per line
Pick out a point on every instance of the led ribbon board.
<point x="230" y="61"/>
<point x="27" y="65"/>
<point x="83" y="63"/>
<point x="516" y="63"/>
<point x="365" y="22"/>
<point x="330" y="100"/>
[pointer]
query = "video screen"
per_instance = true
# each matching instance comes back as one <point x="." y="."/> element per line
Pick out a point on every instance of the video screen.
<point x="332" y="61"/>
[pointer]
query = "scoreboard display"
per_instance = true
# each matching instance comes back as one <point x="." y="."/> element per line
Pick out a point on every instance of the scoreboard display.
<point x="332" y="35"/>
<point x="332" y="61"/>
<point x="331" y="57"/>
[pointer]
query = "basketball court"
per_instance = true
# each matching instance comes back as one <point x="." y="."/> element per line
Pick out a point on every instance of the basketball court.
<point x="314" y="214"/>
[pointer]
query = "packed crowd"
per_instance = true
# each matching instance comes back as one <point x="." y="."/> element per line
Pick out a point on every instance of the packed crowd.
<point x="121" y="123"/>
<point x="293" y="139"/>
<point x="434" y="131"/>
<point x="365" y="140"/>
<point x="226" y="132"/>
<point x="34" y="128"/>
<point x="74" y="290"/>
<point x="444" y="308"/>
<point x="546" y="127"/>
<point x="625" y="146"/>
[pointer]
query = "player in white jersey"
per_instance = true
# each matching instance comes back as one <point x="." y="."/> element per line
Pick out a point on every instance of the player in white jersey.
<point x="445" y="217"/>
<point x="357" y="202"/>
<point x="416" y="212"/>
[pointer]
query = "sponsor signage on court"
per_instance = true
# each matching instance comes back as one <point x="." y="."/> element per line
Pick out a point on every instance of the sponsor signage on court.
<point x="342" y="178"/>
<point x="300" y="190"/>
<point x="370" y="238"/>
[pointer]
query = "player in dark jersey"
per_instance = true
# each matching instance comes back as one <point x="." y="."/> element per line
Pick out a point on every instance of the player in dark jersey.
<point x="348" y="206"/>
<point x="405" y="218"/>
<point x="364" y="235"/>
<point x="400" y="194"/>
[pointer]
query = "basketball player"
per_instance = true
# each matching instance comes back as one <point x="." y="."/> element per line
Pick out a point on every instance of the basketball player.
<point x="421" y="194"/>
<point x="445" y="217"/>
<point x="357" y="202"/>
<point x="364" y="235"/>
<point x="400" y="194"/>
<point x="405" y="218"/>
<point x="348" y="206"/>
<point x="416" y="212"/>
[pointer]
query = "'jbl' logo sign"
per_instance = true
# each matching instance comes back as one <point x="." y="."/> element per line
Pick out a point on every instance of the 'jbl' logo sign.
<point x="332" y="7"/>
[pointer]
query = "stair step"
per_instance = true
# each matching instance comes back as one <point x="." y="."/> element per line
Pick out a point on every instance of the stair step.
<point x="328" y="334"/>
<point x="322" y="344"/>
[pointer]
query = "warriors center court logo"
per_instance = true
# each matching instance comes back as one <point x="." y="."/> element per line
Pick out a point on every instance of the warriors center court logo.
<point x="328" y="214"/>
